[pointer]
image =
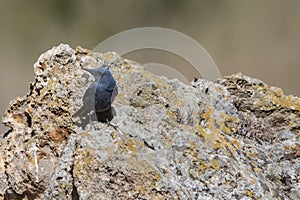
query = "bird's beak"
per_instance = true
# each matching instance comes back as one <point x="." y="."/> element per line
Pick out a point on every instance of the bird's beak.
<point x="90" y="71"/>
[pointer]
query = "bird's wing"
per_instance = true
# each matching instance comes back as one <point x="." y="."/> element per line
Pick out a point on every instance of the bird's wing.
<point x="108" y="81"/>
<point x="89" y="95"/>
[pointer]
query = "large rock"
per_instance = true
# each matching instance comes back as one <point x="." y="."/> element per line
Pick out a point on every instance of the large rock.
<point x="237" y="138"/>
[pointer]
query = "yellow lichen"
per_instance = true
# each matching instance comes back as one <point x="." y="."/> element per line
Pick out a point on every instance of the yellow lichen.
<point x="218" y="145"/>
<point x="207" y="115"/>
<point x="171" y="114"/>
<point x="236" y="143"/>
<point x="203" y="167"/>
<point x="250" y="194"/>
<point x="226" y="143"/>
<point x="215" y="164"/>
<point x="140" y="188"/>
<point x="211" y="135"/>
<point x="114" y="135"/>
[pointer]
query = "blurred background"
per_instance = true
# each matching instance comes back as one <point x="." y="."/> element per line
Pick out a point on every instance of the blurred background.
<point x="258" y="38"/>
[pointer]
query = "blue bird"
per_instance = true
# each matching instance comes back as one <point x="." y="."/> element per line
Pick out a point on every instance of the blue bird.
<point x="99" y="96"/>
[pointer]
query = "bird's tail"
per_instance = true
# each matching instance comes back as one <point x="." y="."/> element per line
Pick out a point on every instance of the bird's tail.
<point x="107" y="115"/>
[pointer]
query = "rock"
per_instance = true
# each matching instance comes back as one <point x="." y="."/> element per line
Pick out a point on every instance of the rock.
<point x="237" y="138"/>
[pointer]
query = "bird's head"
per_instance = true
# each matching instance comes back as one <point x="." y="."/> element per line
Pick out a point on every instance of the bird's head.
<point x="96" y="72"/>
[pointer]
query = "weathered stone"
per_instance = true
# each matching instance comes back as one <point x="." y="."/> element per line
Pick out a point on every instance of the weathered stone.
<point x="237" y="138"/>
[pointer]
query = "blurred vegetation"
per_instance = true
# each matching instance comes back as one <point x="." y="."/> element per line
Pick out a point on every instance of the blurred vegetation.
<point x="257" y="38"/>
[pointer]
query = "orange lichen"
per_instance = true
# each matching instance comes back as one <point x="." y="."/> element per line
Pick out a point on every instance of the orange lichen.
<point x="165" y="135"/>
<point x="19" y="118"/>
<point x="59" y="134"/>
<point x="131" y="145"/>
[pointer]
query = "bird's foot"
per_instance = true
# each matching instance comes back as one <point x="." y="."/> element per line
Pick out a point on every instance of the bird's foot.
<point x="116" y="127"/>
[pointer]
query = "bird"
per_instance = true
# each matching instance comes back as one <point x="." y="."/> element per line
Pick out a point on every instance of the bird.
<point x="99" y="97"/>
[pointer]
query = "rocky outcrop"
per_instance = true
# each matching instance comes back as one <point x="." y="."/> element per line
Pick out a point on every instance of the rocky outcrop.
<point x="237" y="138"/>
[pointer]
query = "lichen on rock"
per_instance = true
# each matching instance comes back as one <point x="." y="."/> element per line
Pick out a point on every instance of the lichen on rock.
<point x="237" y="138"/>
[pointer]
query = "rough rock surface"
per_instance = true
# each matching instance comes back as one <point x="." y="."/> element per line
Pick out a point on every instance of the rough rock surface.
<point x="237" y="138"/>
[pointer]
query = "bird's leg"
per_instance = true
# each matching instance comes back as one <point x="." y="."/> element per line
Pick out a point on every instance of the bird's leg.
<point x="110" y="124"/>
